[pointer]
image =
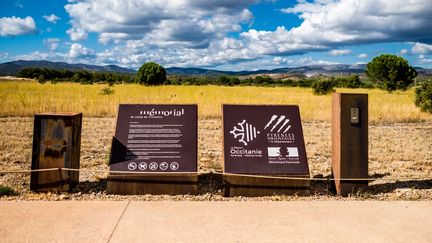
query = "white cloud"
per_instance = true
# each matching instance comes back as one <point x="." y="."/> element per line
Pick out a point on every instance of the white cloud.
<point x="195" y="32"/>
<point x="423" y="59"/>
<point x="282" y="60"/>
<point x="77" y="34"/>
<point x="78" y="51"/>
<point x="33" y="56"/>
<point x="14" y="26"/>
<point x="190" y="23"/>
<point x="420" y="48"/>
<point x="37" y="55"/>
<point x="403" y="52"/>
<point x="51" y="43"/>
<point x="339" y="52"/>
<point x="51" y="18"/>
<point x="309" y="61"/>
<point x="363" y="55"/>
<point x="4" y="55"/>
<point x="367" y="21"/>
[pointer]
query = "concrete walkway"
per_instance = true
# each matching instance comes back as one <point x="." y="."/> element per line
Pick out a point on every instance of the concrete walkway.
<point x="123" y="221"/>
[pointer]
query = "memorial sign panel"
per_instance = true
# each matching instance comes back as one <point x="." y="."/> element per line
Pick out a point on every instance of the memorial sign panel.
<point x="264" y="139"/>
<point x="155" y="138"/>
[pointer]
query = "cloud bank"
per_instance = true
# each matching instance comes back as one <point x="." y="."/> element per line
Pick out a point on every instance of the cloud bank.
<point x="208" y="33"/>
<point x="14" y="26"/>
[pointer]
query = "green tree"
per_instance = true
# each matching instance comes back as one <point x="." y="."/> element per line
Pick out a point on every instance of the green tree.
<point x="390" y="72"/>
<point x="151" y="73"/>
<point x="423" y="96"/>
<point x="323" y="87"/>
<point x="41" y="79"/>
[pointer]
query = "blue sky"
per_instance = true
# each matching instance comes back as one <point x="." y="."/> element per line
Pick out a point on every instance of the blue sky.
<point x="224" y="34"/>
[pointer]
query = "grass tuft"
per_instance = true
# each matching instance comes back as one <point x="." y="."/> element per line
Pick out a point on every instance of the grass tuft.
<point x="6" y="191"/>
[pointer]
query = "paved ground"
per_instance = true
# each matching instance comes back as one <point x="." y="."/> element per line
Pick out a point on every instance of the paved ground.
<point x="123" y="221"/>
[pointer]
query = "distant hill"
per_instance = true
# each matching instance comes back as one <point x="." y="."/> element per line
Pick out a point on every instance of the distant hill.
<point x="12" y="68"/>
<point x="306" y="70"/>
<point x="335" y="69"/>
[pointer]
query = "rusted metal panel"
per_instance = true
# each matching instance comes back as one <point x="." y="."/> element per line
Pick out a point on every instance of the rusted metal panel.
<point x="257" y="186"/>
<point x="153" y="183"/>
<point x="56" y="144"/>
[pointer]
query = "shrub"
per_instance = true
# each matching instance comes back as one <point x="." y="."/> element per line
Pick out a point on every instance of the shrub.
<point x="6" y="191"/>
<point x="107" y="91"/>
<point x="423" y="96"/>
<point x="305" y="83"/>
<point x="352" y="81"/>
<point x="41" y="79"/>
<point x="151" y="73"/>
<point x="323" y="87"/>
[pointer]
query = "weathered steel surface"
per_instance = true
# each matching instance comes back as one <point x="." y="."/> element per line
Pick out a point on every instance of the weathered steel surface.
<point x="153" y="183"/>
<point x="349" y="141"/>
<point x="256" y="186"/>
<point x="56" y="144"/>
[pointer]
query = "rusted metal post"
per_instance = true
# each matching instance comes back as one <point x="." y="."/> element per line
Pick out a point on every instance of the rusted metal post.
<point x="349" y="141"/>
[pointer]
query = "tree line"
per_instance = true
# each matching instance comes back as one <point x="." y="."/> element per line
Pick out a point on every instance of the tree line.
<point x="157" y="76"/>
<point x="84" y="77"/>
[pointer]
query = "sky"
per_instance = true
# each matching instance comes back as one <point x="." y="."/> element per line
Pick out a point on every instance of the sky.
<point x="218" y="34"/>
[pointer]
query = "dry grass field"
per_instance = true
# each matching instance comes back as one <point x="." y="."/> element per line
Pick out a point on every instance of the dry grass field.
<point x="25" y="98"/>
<point x="400" y="136"/>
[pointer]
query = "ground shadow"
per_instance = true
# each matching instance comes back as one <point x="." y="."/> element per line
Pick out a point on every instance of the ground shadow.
<point x="89" y="187"/>
<point x="390" y="187"/>
<point x="379" y="175"/>
<point x="213" y="183"/>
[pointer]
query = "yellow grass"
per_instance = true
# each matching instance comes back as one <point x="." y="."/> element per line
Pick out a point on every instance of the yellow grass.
<point x="25" y="98"/>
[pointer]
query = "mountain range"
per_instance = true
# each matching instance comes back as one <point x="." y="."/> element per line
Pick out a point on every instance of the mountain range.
<point x="12" y="68"/>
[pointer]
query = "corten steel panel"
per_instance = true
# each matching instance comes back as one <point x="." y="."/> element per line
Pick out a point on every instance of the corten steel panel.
<point x="153" y="183"/>
<point x="349" y="142"/>
<point x="256" y="186"/>
<point x="264" y="140"/>
<point x="155" y="138"/>
<point x="56" y="144"/>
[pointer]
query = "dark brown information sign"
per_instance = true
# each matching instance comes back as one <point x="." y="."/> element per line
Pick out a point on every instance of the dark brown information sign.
<point x="264" y="139"/>
<point x="155" y="138"/>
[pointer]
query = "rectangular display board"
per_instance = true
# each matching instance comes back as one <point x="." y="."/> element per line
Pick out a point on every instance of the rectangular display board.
<point x="155" y="138"/>
<point x="264" y="139"/>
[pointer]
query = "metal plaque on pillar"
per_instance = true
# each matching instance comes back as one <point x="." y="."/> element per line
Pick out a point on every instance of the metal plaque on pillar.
<point x="349" y="142"/>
